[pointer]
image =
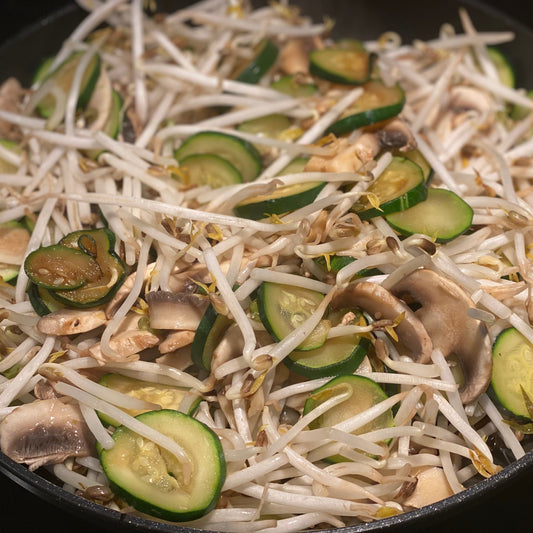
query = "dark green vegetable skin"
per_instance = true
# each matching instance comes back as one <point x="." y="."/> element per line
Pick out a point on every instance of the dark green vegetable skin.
<point x="172" y="420"/>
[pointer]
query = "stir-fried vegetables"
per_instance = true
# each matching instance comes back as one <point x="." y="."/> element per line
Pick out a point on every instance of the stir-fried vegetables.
<point x="227" y="235"/>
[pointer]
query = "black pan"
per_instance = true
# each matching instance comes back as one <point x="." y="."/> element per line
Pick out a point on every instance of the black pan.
<point x="30" y="502"/>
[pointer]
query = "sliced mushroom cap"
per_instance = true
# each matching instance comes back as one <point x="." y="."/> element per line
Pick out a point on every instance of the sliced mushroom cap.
<point x="128" y="341"/>
<point x="431" y="486"/>
<point x="396" y="134"/>
<point x="13" y="243"/>
<point x="11" y="94"/>
<point x="294" y="56"/>
<point x="171" y="310"/>
<point x="382" y="304"/>
<point x="71" y="321"/>
<point x="343" y="158"/>
<point x="444" y="313"/>
<point x="464" y="99"/>
<point x="45" y="432"/>
<point x="176" y="340"/>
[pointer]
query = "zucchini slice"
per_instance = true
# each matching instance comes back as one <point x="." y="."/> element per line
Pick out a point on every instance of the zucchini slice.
<point x="377" y="103"/>
<point x="210" y="330"/>
<point x="98" y="244"/>
<point x="365" y="394"/>
<point x="5" y="166"/>
<point x="282" y="308"/>
<point x="505" y="71"/>
<point x="41" y="300"/>
<point x="57" y="267"/>
<point x="442" y="216"/>
<point x="400" y="186"/>
<point x="61" y="79"/>
<point x="282" y="200"/>
<point x="338" y="355"/>
<point x="265" y="56"/>
<point x="240" y="153"/>
<point x="512" y="371"/>
<point x="113" y="124"/>
<point x="415" y="155"/>
<point x="295" y="86"/>
<point x="268" y="126"/>
<point x="209" y="169"/>
<point x="150" y="478"/>
<point x="346" y="65"/>
<point x="167" y="396"/>
<point x="296" y="166"/>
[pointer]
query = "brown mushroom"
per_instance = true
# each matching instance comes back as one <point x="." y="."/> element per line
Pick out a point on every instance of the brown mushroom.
<point x="396" y="134"/>
<point x="382" y="304"/>
<point x="13" y="243"/>
<point x="294" y="56"/>
<point x="171" y="310"/>
<point x="11" y="94"/>
<point x="71" y="321"/>
<point x="345" y="156"/>
<point x="176" y="340"/>
<point x="45" y="432"/>
<point x="128" y="340"/>
<point x="431" y="486"/>
<point x="444" y="313"/>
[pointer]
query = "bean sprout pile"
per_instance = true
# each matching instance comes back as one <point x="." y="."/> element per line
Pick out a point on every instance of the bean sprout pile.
<point x="176" y="77"/>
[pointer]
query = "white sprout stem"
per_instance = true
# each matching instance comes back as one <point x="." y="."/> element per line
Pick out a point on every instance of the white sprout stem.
<point x="95" y="426"/>
<point x="114" y="397"/>
<point x="26" y="373"/>
<point x="131" y="423"/>
<point x="126" y="305"/>
<point x="173" y="210"/>
<point x="234" y="306"/>
<point x="505" y="430"/>
<point x="289" y="435"/>
<point x="462" y="426"/>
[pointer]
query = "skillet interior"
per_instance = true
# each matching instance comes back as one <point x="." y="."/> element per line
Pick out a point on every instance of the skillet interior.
<point x="488" y="505"/>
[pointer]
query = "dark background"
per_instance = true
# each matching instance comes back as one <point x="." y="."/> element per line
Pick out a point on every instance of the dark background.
<point x="510" y="509"/>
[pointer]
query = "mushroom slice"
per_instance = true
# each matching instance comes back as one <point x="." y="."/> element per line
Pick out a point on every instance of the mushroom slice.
<point x="71" y="321"/>
<point x="13" y="243"/>
<point x="396" y="134"/>
<point x="176" y="340"/>
<point x="124" y="290"/>
<point x="170" y="310"/>
<point x="294" y="56"/>
<point x="444" y="313"/>
<point x="45" y="432"/>
<point x="431" y="486"/>
<point x="463" y="99"/>
<point x="344" y="158"/>
<point x="127" y="341"/>
<point x="11" y="94"/>
<point x="382" y="304"/>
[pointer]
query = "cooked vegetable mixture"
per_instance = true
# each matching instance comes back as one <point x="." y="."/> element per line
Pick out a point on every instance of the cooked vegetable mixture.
<point x="257" y="276"/>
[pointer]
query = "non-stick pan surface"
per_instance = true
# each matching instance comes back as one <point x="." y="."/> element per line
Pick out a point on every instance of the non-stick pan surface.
<point x="32" y="29"/>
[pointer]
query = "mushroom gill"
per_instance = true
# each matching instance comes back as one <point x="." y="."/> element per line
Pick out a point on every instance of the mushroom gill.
<point x="179" y="311"/>
<point x="443" y="311"/>
<point x="45" y="432"/>
<point x="382" y="304"/>
<point x="71" y="321"/>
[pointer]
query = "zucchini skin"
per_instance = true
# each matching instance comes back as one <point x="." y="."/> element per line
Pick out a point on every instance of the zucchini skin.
<point x="512" y="369"/>
<point x="404" y="198"/>
<point x="443" y="216"/>
<point x="259" y="66"/>
<point x="278" y="205"/>
<point x="151" y="508"/>
<point x="365" y="115"/>
<point x="210" y="330"/>
<point x="347" y="365"/>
